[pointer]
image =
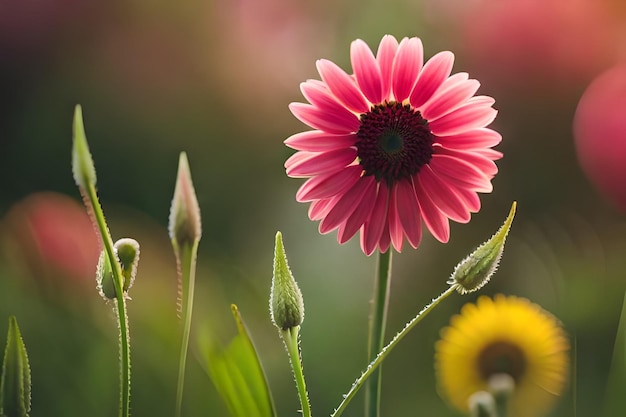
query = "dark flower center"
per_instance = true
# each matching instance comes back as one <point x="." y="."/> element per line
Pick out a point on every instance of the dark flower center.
<point x="394" y="142"/>
<point x="502" y="358"/>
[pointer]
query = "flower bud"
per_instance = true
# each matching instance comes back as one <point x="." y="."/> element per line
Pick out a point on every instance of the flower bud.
<point x="185" y="226"/>
<point x="473" y="272"/>
<point x="127" y="253"/>
<point x="82" y="164"/>
<point x="127" y="250"/>
<point x="501" y="386"/>
<point x="482" y="404"/>
<point x="105" y="277"/>
<point x="286" y="303"/>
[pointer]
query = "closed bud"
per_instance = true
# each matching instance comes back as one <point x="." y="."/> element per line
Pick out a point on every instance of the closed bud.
<point x="482" y="404"/>
<point x="82" y="164"/>
<point x="502" y="387"/>
<point x="286" y="303"/>
<point x="473" y="272"/>
<point x="127" y="252"/>
<point x="185" y="226"/>
<point x="105" y="277"/>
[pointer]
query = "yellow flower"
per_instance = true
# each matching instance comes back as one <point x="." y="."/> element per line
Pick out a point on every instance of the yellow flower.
<point x="504" y="335"/>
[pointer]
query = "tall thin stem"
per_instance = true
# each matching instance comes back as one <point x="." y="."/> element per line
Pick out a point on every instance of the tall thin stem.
<point x="290" y="337"/>
<point x="373" y="366"/>
<point x="188" y="275"/>
<point x="120" y="304"/>
<point x="378" y="323"/>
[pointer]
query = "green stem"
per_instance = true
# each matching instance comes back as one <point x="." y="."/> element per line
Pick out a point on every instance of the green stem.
<point x="290" y="337"/>
<point x="376" y="339"/>
<point x="118" y="280"/>
<point x="187" y="264"/>
<point x="387" y="349"/>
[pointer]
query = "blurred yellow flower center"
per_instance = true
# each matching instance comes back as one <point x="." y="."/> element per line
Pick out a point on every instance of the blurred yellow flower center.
<point x="501" y="358"/>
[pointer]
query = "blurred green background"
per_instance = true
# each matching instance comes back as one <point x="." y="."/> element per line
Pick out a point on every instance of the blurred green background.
<point x="214" y="78"/>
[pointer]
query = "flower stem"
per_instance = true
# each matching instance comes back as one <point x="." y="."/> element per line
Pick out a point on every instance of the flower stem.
<point x="377" y="331"/>
<point x="290" y="337"/>
<point x="371" y="368"/>
<point x="120" y="304"/>
<point x="188" y="275"/>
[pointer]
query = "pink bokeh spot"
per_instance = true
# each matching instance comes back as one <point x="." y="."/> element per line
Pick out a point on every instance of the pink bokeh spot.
<point x="600" y="134"/>
<point x="546" y="45"/>
<point x="53" y="234"/>
<point x="396" y="145"/>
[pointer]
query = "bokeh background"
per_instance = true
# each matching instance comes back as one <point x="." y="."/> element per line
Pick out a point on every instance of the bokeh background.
<point x="213" y="78"/>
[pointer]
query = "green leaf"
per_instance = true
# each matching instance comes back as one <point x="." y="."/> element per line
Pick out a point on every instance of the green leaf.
<point x="237" y="373"/>
<point x="15" y="382"/>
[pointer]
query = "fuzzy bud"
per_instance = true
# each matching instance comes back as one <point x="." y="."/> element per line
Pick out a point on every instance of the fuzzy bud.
<point x="286" y="303"/>
<point x="127" y="252"/>
<point x="473" y="272"/>
<point x="482" y="404"/>
<point x="185" y="226"/>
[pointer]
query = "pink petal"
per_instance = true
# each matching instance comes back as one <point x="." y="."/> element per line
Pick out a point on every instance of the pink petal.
<point x="460" y="173"/>
<point x="342" y="86"/>
<point x="318" y="94"/>
<point x="469" y="197"/>
<point x="385" y="240"/>
<point x="449" y="98"/>
<point x="306" y="164"/>
<point x="319" y="141"/>
<point x="443" y="195"/>
<point x="471" y="140"/>
<point x="361" y="213"/>
<point x="346" y="205"/>
<point x="477" y="112"/>
<point x="341" y="121"/>
<point x="435" y="220"/>
<point x="320" y="208"/>
<point x="385" y="56"/>
<point x="489" y="153"/>
<point x="375" y="225"/>
<point x="366" y="71"/>
<point x="396" y="232"/>
<point x="409" y="212"/>
<point x="434" y="73"/>
<point x="329" y="185"/>
<point x="484" y="164"/>
<point x="406" y="67"/>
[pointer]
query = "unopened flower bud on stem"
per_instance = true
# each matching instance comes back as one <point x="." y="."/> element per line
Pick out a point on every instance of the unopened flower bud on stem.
<point x="127" y="252"/>
<point x="286" y="303"/>
<point x="185" y="226"/>
<point x="473" y="272"/>
<point x="82" y="164"/>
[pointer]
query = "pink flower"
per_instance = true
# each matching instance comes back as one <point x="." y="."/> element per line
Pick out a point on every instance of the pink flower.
<point x="600" y="133"/>
<point x="396" y="143"/>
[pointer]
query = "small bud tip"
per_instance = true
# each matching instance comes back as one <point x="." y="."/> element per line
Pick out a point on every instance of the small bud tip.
<point x="82" y="164"/>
